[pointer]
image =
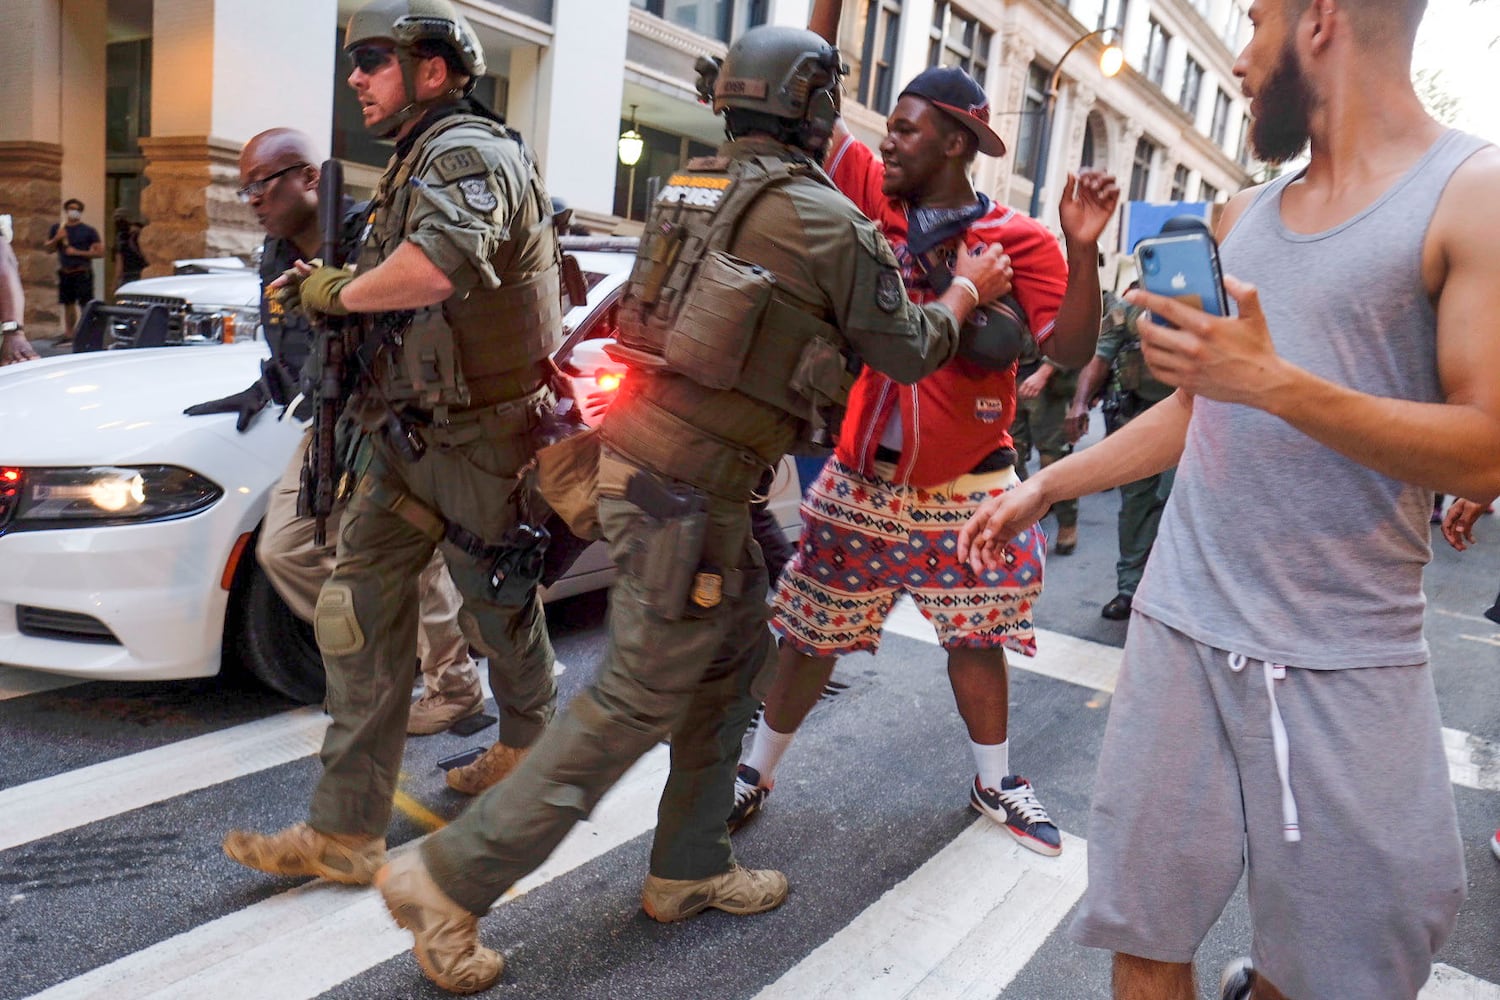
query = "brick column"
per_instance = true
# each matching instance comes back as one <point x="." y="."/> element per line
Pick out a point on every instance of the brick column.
<point x="189" y="198"/>
<point x="30" y="192"/>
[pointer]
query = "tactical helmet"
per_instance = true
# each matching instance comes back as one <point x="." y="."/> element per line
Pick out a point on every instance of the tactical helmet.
<point x="787" y="73"/>
<point x="408" y="24"/>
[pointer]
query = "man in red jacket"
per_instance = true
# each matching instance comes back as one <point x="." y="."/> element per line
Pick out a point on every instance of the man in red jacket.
<point x="912" y="462"/>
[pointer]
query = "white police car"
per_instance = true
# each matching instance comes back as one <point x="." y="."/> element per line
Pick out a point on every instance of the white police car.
<point x="127" y="529"/>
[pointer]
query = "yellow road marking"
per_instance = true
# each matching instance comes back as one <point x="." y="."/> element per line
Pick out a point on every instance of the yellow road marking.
<point x="417" y="812"/>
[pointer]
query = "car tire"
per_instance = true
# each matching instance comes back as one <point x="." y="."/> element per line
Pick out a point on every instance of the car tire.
<point x="275" y="646"/>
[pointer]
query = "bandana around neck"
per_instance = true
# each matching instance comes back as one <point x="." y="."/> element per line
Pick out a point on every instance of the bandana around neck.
<point x="930" y="227"/>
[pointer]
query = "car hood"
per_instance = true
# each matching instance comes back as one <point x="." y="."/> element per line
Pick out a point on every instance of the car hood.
<point x="119" y="406"/>
<point x="219" y="288"/>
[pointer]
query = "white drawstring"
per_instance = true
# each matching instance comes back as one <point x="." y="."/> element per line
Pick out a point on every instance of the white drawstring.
<point x="1290" y="830"/>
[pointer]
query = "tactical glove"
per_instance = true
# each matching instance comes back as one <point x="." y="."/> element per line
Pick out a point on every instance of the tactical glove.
<point x="274" y="385"/>
<point x="321" y="289"/>
<point x="247" y="403"/>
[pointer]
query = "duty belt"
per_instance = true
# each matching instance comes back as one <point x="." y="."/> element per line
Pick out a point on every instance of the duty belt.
<point x="652" y="437"/>
<point x="506" y="425"/>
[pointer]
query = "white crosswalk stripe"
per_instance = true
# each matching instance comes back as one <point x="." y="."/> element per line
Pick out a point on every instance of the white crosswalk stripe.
<point x="938" y="934"/>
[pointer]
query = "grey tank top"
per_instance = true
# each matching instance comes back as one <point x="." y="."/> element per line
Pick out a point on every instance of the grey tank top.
<point x="1273" y="545"/>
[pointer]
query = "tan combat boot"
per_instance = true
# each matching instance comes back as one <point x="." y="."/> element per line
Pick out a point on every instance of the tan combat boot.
<point x="433" y="713"/>
<point x="740" y="891"/>
<point x="490" y="769"/>
<point x="446" y="935"/>
<point x="1067" y="539"/>
<point x="301" y="850"/>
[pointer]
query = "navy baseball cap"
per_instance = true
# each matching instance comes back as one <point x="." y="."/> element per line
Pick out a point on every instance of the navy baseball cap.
<point x="961" y="96"/>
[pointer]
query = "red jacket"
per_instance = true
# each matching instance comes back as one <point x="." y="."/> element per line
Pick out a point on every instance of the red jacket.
<point x="960" y="413"/>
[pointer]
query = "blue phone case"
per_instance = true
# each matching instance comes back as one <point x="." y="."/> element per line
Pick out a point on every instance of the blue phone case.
<point x="1185" y="267"/>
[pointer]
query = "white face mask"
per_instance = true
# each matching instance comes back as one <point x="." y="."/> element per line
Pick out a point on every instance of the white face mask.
<point x="74" y="215"/>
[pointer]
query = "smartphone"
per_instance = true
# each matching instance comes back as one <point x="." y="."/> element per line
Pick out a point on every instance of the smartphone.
<point x="1183" y="266"/>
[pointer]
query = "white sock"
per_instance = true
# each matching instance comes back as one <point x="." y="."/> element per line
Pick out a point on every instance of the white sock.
<point x="766" y="751"/>
<point x="992" y="761"/>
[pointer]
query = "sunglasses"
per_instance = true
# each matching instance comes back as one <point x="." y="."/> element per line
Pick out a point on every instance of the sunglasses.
<point x="369" y="58"/>
<point x="257" y="188"/>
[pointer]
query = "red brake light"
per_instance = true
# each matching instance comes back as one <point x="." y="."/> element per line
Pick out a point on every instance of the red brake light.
<point x="609" y="381"/>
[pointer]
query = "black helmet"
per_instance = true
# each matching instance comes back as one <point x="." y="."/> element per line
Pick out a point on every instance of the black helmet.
<point x="411" y="24"/>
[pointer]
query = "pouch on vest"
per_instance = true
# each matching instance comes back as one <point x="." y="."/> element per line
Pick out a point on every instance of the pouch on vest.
<point x="429" y="361"/>
<point x="567" y="477"/>
<point x="720" y="315"/>
<point x="822" y="376"/>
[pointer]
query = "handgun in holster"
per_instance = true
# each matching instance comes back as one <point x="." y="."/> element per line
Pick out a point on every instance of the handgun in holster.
<point x="670" y="564"/>
<point x="518" y="568"/>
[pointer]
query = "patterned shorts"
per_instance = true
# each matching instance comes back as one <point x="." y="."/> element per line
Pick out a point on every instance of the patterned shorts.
<point x="866" y="541"/>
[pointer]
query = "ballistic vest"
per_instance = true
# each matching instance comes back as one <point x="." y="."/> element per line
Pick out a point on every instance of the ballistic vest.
<point x="488" y="345"/>
<point x="693" y="309"/>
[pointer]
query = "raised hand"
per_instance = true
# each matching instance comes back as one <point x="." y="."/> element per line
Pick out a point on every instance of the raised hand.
<point x="1089" y="200"/>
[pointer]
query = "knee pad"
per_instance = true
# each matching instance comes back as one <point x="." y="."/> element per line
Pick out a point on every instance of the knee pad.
<point x="335" y="623"/>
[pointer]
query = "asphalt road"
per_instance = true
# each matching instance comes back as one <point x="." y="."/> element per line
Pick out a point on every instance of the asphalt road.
<point x="113" y="798"/>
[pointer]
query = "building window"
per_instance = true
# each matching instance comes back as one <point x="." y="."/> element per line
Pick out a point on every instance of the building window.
<point x="1243" y="152"/>
<point x="1140" y="169"/>
<point x="1233" y="25"/>
<point x="1179" y="183"/>
<point x="1192" y="83"/>
<point x="721" y="19"/>
<point x="1112" y="14"/>
<point x="1207" y="192"/>
<point x="878" y="58"/>
<point x="1033" y="106"/>
<point x="1156" y="53"/>
<point x="1219" y="130"/>
<point x="959" y="40"/>
<point x="1089" y="153"/>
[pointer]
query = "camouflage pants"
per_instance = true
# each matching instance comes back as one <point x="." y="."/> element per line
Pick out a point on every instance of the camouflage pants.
<point x="688" y="679"/>
<point x="366" y="620"/>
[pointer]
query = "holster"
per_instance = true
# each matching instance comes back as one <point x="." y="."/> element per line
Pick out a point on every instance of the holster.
<point x="668" y="566"/>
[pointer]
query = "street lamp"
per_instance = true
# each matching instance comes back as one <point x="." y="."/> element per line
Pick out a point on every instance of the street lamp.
<point x="1111" y="60"/>
<point x="630" y="146"/>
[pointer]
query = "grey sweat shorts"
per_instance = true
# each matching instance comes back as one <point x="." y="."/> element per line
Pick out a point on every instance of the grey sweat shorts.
<point x="1188" y="795"/>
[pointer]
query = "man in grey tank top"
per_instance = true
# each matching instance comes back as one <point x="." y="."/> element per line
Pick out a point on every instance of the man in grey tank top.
<point x="1275" y="708"/>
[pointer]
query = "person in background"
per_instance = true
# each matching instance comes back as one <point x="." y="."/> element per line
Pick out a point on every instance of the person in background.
<point x="129" y="260"/>
<point x="1120" y="373"/>
<point x="76" y="244"/>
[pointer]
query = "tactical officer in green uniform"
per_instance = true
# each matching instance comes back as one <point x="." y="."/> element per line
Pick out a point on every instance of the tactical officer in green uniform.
<point x="1044" y="391"/>
<point x="457" y="281"/>
<point x="757" y="286"/>
<point x="1119" y="369"/>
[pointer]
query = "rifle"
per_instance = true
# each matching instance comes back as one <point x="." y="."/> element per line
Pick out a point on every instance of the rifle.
<point x="320" y="473"/>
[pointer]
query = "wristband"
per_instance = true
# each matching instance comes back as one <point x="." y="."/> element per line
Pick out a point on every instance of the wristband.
<point x="959" y="281"/>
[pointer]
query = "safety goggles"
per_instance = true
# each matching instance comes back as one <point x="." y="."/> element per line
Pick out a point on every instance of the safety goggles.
<point x="369" y="58"/>
<point x="257" y="188"/>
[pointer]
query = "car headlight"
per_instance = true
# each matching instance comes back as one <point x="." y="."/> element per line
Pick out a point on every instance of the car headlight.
<point x="219" y="326"/>
<point x="34" y="499"/>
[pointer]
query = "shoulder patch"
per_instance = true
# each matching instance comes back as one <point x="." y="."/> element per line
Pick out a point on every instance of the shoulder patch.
<point x="477" y="194"/>
<point x="458" y="164"/>
<point x="875" y="244"/>
<point x="889" y="292"/>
